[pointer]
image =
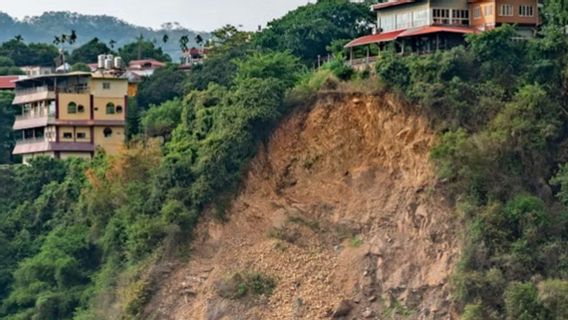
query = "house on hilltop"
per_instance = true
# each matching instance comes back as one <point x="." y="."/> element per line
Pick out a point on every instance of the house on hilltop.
<point x="423" y="26"/>
<point x="70" y="115"/>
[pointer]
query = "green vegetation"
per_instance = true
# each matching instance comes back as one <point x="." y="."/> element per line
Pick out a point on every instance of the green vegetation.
<point x="500" y="107"/>
<point x="78" y="240"/>
<point x="240" y="285"/>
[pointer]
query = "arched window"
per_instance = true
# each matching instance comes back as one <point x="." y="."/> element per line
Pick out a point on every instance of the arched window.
<point x="118" y="109"/>
<point x="72" y="107"/>
<point x="80" y="108"/>
<point x="107" y="132"/>
<point x="110" y="108"/>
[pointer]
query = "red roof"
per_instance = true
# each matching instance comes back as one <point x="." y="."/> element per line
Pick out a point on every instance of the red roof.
<point x="147" y="62"/>
<point x="375" y="38"/>
<point x="435" y="29"/>
<point x="7" y="82"/>
<point x="384" y="5"/>
<point x="393" y="35"/>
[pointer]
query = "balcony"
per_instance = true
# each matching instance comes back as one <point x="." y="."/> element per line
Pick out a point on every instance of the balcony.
<point x="34" y="120"/>
<point x="34" y="94"/>
<point x="35" y="145"/>
<point x="31" y="145"/>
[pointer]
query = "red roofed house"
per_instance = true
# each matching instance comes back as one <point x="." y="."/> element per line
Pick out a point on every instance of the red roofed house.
<point x="145" y="67"/>
<point x="8" y="83"/>
<point x="424" y="26"/>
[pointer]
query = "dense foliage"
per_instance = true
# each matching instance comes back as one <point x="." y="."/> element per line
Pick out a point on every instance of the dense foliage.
<point x="500" y="106"/>
<point x="309" y="30"/>
<point x="107" y="29"/>
<point x="78" y="239"/>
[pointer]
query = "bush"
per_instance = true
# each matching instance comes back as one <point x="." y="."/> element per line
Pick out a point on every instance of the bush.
<point x="521" y="302"/>
<point x="240" y="285"/>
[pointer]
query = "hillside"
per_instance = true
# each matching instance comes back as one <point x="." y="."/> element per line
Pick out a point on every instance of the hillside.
<point x="44" y="28"/>
<point x="340" y="204"/>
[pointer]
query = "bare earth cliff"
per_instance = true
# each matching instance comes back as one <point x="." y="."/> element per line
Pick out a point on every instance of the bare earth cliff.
<point x="341" y="208"/>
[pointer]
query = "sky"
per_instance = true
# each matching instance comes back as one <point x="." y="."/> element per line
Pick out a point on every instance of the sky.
<point x="199" y="15"/>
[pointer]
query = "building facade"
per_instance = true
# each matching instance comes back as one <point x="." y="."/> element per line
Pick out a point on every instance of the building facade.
<point x="70" y="115"/>
<point x="424" y="26"/>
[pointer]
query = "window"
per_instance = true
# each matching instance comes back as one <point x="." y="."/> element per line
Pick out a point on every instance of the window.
<point x="526" y="11"/>
<point x="404" y="21"/>
<point x="477" y="12"/>
<point x="488" y="10"/>
<point x="80" y="108"/>
<point x="506" y="10"/>
<point x="460" y="17"/>
<point x="67" y="135"/>
<point x="420" y="18"/>
<point x="81" y="135"/>
<point x="72" y="107"/>
<point x="441" y="16"/>
<point x="106" y="85"/>
<point x="387" y="23"/>
<point x="118" y="109"/>
<point x="110" y="108"/>
<point x="107" y="132"/>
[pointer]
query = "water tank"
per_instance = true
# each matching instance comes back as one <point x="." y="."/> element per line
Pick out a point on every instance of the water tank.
<point x="108" y="64"/>
<point x="101" y="61"/>
<point x="111" y="58"/>
<point x="118" y="62"/>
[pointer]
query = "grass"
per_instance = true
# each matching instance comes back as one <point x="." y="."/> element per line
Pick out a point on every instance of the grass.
<point x="242" y="284"/>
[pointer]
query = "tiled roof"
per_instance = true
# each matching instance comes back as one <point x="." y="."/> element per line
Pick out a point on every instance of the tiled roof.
<point x="436" y="29"/>
<point x="393" y="35"/>
<point x="374" y="38"/>
<point x="7" y="82"/>
<point x="384" y="5"/>
<point x="152" y="62"/>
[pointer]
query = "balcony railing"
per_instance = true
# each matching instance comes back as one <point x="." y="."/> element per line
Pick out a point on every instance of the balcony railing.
<point x="31" y="141"/>
<point x="21" y="92"/>
<point x="36" y="115"/>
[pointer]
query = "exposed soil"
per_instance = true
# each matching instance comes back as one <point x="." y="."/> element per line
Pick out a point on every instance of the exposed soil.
<point x="341" y="207"/>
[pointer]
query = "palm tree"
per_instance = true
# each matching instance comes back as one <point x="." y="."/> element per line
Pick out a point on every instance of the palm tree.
<point x="19" y="38"/>
<point x="199" y="39"/>
<point x="72" y="37"/>
<point x="183" y="41"/>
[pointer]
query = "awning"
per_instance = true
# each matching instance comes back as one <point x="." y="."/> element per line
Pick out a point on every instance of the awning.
<point x="374" y="38"/>
<point x="393" y="35"/>
<point x="383" y="5"/>
<point x="435" y="29"/>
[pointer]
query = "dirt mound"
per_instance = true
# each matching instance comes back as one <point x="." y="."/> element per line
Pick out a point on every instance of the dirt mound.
<point x="341" y="209"/>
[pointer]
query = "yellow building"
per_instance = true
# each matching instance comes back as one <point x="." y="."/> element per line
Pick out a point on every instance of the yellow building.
<point x="70" y="115"/>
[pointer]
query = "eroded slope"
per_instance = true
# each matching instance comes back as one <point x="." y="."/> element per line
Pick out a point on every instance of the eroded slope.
<point x="340" y="205"/>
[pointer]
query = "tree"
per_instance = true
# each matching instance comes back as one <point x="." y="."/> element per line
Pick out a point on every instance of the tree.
<point x="165" y="38"/>
<point x="142" y="49"/>
<point x="308" y="30"/>
<point x="79" y="66"/>
<point x="165" y="84"/>
<point x="7" y="139"/>
<point x="89" y="52"/>
<point x="183" y="41"/>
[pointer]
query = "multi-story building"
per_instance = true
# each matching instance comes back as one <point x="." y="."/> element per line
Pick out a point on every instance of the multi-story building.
<point x="488" y="14"/>
<point x="428" y="25"/>
<point x="70" y="115"/>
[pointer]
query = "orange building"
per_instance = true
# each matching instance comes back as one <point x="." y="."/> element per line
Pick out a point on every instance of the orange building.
<point x="489" y="14"/>
<point x="424" y="26"/>
<point x="70" y="115"/>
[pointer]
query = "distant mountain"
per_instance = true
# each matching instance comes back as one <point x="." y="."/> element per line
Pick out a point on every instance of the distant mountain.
<point x="45" y="27"/>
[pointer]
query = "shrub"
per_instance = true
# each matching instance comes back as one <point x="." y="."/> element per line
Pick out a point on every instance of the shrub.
<point x="240" y="285"/>
<point x="521" y="302"/>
